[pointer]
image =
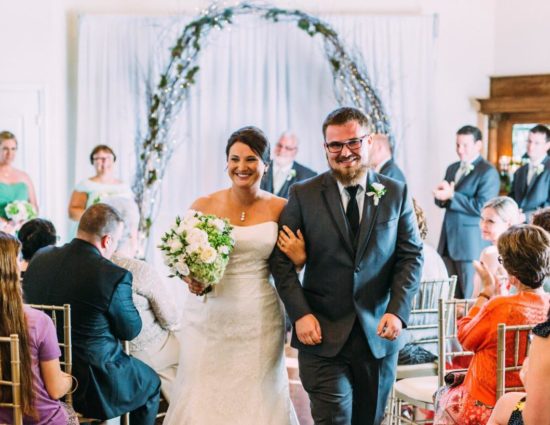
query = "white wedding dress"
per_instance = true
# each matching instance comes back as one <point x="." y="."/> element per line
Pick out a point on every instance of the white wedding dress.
<point x="232" y="368"/>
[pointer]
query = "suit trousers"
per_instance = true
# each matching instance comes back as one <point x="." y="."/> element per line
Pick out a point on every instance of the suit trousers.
<point x="464" y="271"/>
<point x="351" y="388"/>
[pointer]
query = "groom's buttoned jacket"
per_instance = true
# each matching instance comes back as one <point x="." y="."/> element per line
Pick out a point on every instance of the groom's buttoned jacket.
<point x="347" y="280"/>
<point x="461" y="236"/>
<point x="530" y="197"/>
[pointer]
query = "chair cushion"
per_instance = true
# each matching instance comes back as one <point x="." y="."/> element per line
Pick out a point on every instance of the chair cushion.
<point x="422" y="388"/>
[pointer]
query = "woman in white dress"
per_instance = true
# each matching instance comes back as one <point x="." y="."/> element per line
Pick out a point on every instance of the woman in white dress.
<point x="232" y="368"/>
<point x="98" y="188"/>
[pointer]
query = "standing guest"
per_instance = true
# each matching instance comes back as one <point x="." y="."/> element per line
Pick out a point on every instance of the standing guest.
<point x="80" y="273"/>
<point x="364" y="260"/>
<point x="468" y="184"/>
<point x="497" y="216"/>
<point x="284" y="170"/>
<point x="43" y="382"/>
<point x="531" y="185"/>
<point x="156" y="345"/>
<point x="102" y="185"/>
<point x="15" y="185"/>
<point x="525" y="253"/>
<point x="381" y="158"/>
<point x="34" y="235"/>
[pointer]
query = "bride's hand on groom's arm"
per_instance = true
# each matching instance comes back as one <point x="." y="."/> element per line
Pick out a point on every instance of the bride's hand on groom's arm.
<point x="308" y="330"/>
<point x="292" y="245"/>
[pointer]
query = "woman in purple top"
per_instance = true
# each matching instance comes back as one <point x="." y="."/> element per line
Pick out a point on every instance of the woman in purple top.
<point x="42" y="380"/>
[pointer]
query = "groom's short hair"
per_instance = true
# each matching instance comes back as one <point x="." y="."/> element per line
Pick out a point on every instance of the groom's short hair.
<point x="99" y="220"/>
<point x="344" y="115"/>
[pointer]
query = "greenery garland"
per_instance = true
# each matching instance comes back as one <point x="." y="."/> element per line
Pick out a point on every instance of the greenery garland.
<point x="351" y="86"/>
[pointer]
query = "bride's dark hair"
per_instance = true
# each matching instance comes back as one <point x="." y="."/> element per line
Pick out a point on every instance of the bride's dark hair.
<point x="252" y="137"/>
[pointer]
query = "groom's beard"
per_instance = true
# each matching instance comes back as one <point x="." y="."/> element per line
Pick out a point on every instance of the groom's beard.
<point x="350" y="176"/>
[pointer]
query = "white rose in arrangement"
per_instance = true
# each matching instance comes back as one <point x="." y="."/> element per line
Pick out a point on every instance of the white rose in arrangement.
<point x="198" y="246"/>
<point x="208" y="255"/>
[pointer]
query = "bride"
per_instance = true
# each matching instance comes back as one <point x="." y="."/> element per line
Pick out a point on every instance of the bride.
<point x="232" y="368"/>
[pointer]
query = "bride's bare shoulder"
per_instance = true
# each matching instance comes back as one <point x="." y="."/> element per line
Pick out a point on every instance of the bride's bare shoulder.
<point x="209" y="204"/>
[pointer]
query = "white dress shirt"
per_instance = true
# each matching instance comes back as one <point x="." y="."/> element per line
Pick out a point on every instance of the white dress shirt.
<point x="464" y="169"/>
<point x="280" y="175"/>
<point x="532" y="171"/>
<point x="360" y="196"/>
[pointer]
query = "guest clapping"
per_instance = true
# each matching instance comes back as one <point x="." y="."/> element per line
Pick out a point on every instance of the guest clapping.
<point x="102" y="185"/>
<point x="497" y="216"/>
<point x="156" y="345"/>
<point x="42" y="380"/>
<point x="525" y="254"/>
<point x="15" y="184"/>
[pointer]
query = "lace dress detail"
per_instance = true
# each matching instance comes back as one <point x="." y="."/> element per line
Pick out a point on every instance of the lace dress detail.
<point x="232" y="368"/>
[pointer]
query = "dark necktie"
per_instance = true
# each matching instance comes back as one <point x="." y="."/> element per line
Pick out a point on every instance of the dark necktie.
<point x="352" y="211"/>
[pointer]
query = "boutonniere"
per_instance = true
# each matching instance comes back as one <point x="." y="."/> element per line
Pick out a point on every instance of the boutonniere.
<point x="468" y="169"/>
<point x="291" y="175"/>
<point x="539" y="169"/>
<point x="377" y="190"/>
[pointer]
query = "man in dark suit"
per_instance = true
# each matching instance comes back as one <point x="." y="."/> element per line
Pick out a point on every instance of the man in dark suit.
<point x="381" y="158"/>
<point x="531" y="186"/>
<point x="283" y="171"/>
<point x="110" y="383"/>
<point x="364" y="259"/>
<point x="468" y="184"/>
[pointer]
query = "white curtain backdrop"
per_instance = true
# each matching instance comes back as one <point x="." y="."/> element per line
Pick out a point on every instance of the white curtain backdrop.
<point x="274" y="76"/>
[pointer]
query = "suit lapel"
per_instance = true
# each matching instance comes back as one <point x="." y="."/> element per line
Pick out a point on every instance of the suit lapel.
<point x="521" y="176"/>
<point x="333" y="201"/>
<point x="370" y="212"/>
<point x="533" y="181"/>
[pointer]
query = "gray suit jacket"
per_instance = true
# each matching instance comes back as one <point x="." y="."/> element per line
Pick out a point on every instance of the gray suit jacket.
<point x="461" y="236"/>
<point x="347" y="280"/>
<point x="391" y="169"/>
<point x="534" y="196"/>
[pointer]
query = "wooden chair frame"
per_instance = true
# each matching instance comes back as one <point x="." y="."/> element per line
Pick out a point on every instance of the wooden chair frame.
<point x="15" y="382"/>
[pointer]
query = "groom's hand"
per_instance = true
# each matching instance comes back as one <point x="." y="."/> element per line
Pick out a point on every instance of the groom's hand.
<point x="389" y="327"/>
<point x="308" y="330"/>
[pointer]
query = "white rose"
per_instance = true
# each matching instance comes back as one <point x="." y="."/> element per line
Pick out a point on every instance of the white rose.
<point x="175" y="245"/>
<point x="219" y="224"/>
<point x="378" y="186"/>
<point x="197" y="236"/>
<point x="193" y="247"/>
<point x="208" y="255"/>
<point x="223" y="250"/>
<point x="182" y="267"/>
<point x="190" y="222"/>
<point x="190" y="214"/>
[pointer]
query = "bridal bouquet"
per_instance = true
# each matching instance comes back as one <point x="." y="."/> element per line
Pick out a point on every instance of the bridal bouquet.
<point x="20" y="211"/>
<point x="198" y="246"/>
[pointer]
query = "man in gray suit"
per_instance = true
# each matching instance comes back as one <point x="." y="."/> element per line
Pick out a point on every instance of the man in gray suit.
<point x="531" y="186"/>
<point x="468" y="184"/>
<point x="364" y="259"/>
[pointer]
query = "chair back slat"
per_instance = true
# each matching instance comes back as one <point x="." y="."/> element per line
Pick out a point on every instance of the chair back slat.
<point x="15" y="378"/>
<point x="521" y="344"/>
<point x="61" y="317"/>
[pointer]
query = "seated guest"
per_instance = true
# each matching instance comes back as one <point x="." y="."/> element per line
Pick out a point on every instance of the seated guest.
<point x="34" y="235"/>
<point x="497" y="216"/>
<point x="42" y="380"/>
<point x="80" y="273"/>
<point x="542" y="218"/>
<point x="156" y="344"/>
<point x="530" y="408"/>
<point x="525" y="253"/>
<point x="381" y="158"/>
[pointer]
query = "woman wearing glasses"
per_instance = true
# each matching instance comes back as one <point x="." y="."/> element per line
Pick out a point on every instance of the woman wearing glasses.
<point x="525" y="254"/>
<point x="102" y="185"/>
<point x="15" y="184"/>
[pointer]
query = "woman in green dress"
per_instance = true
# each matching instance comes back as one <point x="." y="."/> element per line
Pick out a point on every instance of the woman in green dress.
<point x="15" y="184"/>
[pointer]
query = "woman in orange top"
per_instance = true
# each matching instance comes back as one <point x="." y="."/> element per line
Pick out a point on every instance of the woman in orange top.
<point x="525" y="254"/>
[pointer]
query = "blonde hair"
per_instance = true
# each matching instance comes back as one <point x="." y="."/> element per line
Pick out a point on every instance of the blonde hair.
<point x="506" y="208"/>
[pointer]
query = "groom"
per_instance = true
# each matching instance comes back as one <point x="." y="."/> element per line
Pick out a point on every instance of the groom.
<point x="364" y="259"/>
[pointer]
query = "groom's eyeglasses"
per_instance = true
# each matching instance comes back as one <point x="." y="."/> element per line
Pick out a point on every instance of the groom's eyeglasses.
<point x="352" y="144"/>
